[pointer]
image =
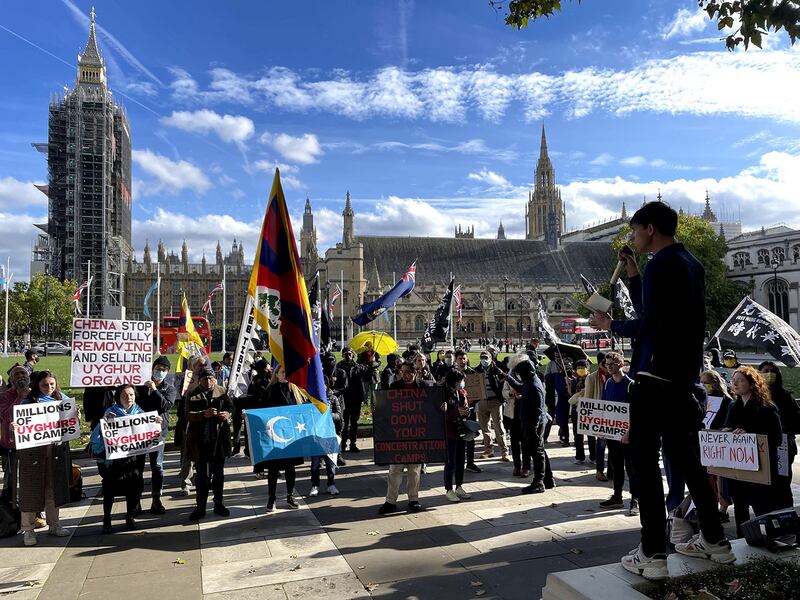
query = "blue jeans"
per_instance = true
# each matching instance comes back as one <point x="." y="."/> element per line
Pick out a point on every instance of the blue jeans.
<point x="330" y="469"/>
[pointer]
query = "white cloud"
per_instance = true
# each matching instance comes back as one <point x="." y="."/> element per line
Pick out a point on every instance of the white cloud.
<point x="474" y="146"/>
<point x="17" y="234"/>
<point x="685" y="22"/>
<point x="170" y="176"/>
<point x="633" y="161"/>
<point x="699" y="83"/>
<point x="305" y="149"/>
<point x="229" y="128"/>
<point x="15" y="194"/>
<point x="289" y="173"/>
<point x="490" y="178"/>
<point x="602" y="159"/>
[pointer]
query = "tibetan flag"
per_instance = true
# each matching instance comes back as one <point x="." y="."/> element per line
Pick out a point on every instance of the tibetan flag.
<point x="281" y="300"/>
<point x="292" y="431"/>
<point x="145" y="308"/>
<point x="372" y="310"/>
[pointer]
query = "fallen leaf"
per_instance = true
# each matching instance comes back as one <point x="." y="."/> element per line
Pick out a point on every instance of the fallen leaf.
<point x="576" y="550"/>
<point x="734" y="586"/>
<point x="296" y="568"/>
<point x="553" y="505"/>
<point x="480" y="592"/>
<point x="178" y="561"/>
<point x="293" y="556"/>
<point x="554" y="539"/>
<point x="476" y="584"/>
<point x="671" y="596"/>
<point x="31" y="583"/>
<point x="361" y="567"/>
<point x="371" y="586"/>
<point x="373" y="532"/>
<point x="571" y="531"/>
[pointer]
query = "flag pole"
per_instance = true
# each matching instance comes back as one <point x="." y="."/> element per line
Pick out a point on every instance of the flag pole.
<point x="5" y="319"/>
<point x="158" y="307"/>
<point x="224" y="306"/>
<point x="394" y="311"/>
<point x="88" y="287"/>
<point x="452" y="343"/>
<point x="341" y="307"/>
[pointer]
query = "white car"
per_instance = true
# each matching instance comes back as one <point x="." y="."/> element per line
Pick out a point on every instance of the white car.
<point x="53" y="348"/>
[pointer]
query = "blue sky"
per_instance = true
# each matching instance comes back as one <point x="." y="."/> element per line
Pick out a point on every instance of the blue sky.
<point x="429" y="113"/>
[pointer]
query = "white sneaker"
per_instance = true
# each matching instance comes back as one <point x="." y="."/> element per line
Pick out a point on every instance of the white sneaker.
<point x="462" y="494"/>
<point x="654" y="567"/>
<point x="332" y="490"/>
<point x="699" y="547"/>
<point x="29" y="539"/>
<point x="452" y="496"/>
<point x="314" y="491"/>
<point x="58" y="531"/>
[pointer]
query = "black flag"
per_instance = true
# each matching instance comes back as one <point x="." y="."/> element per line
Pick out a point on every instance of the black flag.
<point x="588" y="286"/>
<point x="753" y="325"/>
<point x="550" y="335"/>
<point x="624" y="299"/>
<point x="439" y="325"/>
<point x="319" y="316"/>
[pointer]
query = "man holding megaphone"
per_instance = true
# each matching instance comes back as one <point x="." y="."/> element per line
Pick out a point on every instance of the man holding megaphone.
<point x="669" y="299"/>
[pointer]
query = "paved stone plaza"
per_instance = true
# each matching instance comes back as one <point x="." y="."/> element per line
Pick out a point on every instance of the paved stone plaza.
<point x="499" y="544"/>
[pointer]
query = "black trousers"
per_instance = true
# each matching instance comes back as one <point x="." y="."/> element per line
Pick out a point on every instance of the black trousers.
<point x="520" y="453"/>
<point x="209" y="474"/>
<point x="352" y="412"/>
<point x="661" y="409"/>
<point x="471" y="444"/>
<point x="289" y="472"/>
<point x="533" y="437"/>
<point x="746" y="495"/>
<point x="619" y="456"/>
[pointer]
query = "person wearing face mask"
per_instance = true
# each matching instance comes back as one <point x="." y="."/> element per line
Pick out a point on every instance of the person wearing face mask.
<point x="158" y="395"/>
<point x="353" y="396"/>
<point x="19" y="387"/>
<point x="753" y="411"/>
<point x="730" y="363"/>
<point x="423" y="373"/>
<point x="715" y="385"/>
<point x="441" y="371"/>
<point x="579" y="387"/>
<point x="455" y="407"/>
<point x="491" y="407"/>
<point x="388" y="373"/>
<point x="593" y="390"/>
<point x="789" y="412"/>
<point x="438" y="362"/>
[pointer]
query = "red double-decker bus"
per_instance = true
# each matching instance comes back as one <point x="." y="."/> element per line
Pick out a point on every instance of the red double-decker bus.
<point x="169" y="333"/>
<point x="577" y="330"/>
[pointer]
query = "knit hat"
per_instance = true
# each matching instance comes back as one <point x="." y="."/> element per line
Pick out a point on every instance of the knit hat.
<point x="161" y="361"/>
<point x="207" y="372"/>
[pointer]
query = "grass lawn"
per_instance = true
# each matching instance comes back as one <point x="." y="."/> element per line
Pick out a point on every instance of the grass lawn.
<point x="60" y="366"/>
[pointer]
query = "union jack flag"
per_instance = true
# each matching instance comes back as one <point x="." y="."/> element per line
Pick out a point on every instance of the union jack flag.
<point x="79" y="292"/>
<point x="334" y="297"/>
<point x="207" y="304"/>
<point x="458" y="303"/>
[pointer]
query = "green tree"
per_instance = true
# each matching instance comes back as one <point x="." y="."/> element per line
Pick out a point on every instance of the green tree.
<point x="752" y="19"/>
<point x="722" y="295"/>
<point x="26" y="307"/>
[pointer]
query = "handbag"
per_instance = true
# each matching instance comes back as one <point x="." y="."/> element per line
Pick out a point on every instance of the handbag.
<point x="467" y="429"/>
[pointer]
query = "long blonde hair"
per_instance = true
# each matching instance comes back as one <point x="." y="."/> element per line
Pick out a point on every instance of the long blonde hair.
<point x="298" y="395"/>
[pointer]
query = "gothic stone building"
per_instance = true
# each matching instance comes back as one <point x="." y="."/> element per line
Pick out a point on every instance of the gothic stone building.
<point x="500" y="278"/>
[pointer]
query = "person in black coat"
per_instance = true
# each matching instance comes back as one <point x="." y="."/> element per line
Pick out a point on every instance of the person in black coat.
<point x="790" y="422"/>
<point x="158" y="395"/>
<point x="753" y="412"/>
<point x="281" y="393"/>
<point x="335" y="407"/>
<point x="353" y="396"/>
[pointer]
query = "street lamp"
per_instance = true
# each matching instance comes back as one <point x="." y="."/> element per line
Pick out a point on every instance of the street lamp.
<point x="46" y="305"/>
<point x="521" y="324"/>
<point x="505" y="299"/>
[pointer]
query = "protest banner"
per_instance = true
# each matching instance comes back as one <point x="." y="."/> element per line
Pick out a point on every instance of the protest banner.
<point x="293" y="431"/>
<point x="603" y="418"/>
<point x="408" y="426"/>
<point x="131" y="435"/>
<point x="729" y="450"/>
<point x="475" y="386"/>
<point x="783" y="457"/>
<point x="107" y="352"/>
<point x="742" y="456"/>
<point x="45" y="423"/>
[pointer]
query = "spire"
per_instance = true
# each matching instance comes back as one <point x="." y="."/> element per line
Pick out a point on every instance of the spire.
<point x="721" y="232"/>
<point x="147" y="260"/>
<point x="91" y="53"/>
<point x="501" y="233"/>
<point x="219" y="253"/>
<point x="708" y="214"/>
<point x="658" y="197"/>
<point x="308" y="205"/>
<point x="347" y="208"/>
<point x="162" y="253"/>
<point x="543" y="146"/>
<point x="348" y="232"/>
<point x="624" y="214"/>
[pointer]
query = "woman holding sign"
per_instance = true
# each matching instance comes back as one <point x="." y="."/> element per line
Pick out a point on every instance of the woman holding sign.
<point x="44" y="471"/>
<point x="121" y="476"/>
<point x="753" y="412"/>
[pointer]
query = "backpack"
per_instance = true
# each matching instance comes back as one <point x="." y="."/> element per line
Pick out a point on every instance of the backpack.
<point x="76" y="484"/>
<point x="10" y="519"/>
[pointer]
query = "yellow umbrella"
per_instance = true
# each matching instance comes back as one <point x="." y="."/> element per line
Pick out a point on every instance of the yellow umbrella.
<point x="382" y="343"/>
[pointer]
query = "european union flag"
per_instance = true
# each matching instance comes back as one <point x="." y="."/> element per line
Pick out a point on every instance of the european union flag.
<point x="290" y="432"/>
<point x="372" y="310"/>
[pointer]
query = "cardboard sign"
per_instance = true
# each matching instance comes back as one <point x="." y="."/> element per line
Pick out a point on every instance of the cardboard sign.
<point x="729" y="450"/>
<point x="713" y="404"/>
<point x="783" y="457"/>
<point x="45" y="423"/>
<point x="408" y="426"/>
<point x="475" y="386"/>
<point x="762" y="475"/>
<point x="131" y="435"/>
<point x="107" y="352"/>
<point x="603" y="418"/>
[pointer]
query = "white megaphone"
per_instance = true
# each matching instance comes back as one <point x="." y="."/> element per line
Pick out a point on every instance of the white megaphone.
<point x="598" y="303"/>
